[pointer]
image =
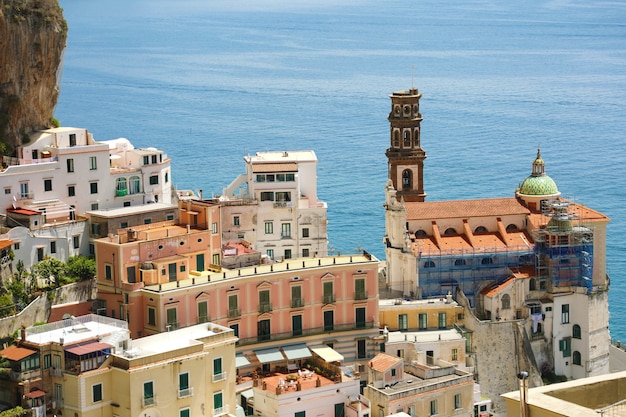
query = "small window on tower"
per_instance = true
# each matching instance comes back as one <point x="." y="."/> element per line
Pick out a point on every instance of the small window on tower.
<point x="406" y="179"/>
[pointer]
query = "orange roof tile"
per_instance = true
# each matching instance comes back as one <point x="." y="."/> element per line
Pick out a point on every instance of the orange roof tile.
<point x="5" y="243"/>
<point x="381" y="362"/>
<point x="493" y="290"/>
<point x="16" y="353"/>
<point x="464" y="208"/>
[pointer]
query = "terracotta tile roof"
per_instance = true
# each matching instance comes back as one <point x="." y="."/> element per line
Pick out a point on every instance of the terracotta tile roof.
<point x="286" y="167"/>
<point x="495" y="289"/>
<point x="5" y="243"/>
<point x="525" y="272"/>
<point x="16" y="353"/>
<point x="464" y="208"/>
<point x="382" y="362"/>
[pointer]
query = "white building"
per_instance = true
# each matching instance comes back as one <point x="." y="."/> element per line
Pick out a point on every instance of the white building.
<point x="274" y="206"/>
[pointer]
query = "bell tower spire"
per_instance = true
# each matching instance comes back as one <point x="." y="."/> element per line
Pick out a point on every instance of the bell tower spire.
<point x="405" y="156"/>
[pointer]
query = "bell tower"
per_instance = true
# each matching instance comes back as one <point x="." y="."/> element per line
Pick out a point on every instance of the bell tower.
<point x="405" y="156"/>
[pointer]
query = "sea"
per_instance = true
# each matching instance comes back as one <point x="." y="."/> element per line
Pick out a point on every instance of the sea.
<point x="211" y="81"/>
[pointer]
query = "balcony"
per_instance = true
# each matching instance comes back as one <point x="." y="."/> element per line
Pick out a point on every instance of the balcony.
<point x="56" y="372"/>
<point x="204" y="318"/>
<point x="220" y="411"/>
<point x="328" y="299"/>
<point x="121" y="193"/>
<point x="360" y="295"/>
<point x="284" y="235"/>
<point x="297" y="302"/>
<point x="148" y="402"/>
<point x="234" y="312"/>
<point x="283" y="204"/>
<point x="219" y="377"/>
<point x="26" y="375"/>
<point x="185" y="392"/>
<point x="265" y="307"/>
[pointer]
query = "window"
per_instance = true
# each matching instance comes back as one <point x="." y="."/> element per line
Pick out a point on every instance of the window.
<point x="24" y="190"/>
<point x="93" y="187"/>
<point x="93" y="164"/>
<point x="359" y="289"/>
<point x="305" y="232"/>
<point x="108" y="272"/>
<point x="151" y="316"/>
<point x="287" y="253"/>
<point x="403" y="322"/>
<point x="270" y="253"/>
<point x="429" y="264"/>
<point x="218" y="373"/>
<point x="486" y="261"/>
<point x="576" y="332"/>
<point x="203" y="312"/>
<point x="296" y="325"/>
<point x="455" y="354"/>
<point x="457" y="401"/>
<point x="16" y="246"/>
<point x="442" y="320"/>
<point x="214" y="228"/>
<point x="305" y="253"/>
<point x="361" y="349"/>
<point x="154" y="179"/>
<point x="329" y="320"/>
<point x="360" y="318"/>
<point x="433" y="407"/>
<point x="167" y="177"/>
<point x="296" y="296"/>
<point x="459" y="262"/>
<point x="264" y="301"/>
<point x="263" y="330"/>
<point x="134" y="185"/>
<point x="47" y="361"/>
<point x="236" y="221"/>
<point x="393" y="371"/>
<point x="71" y="191"/>
<point x="329" y="296"/>
<point x="72" y="139"/>
<point x="422" y="320"/>
<point x="47" y="185"/>
<point x="406" y="179"/>
<point x="506" y="302"/>
<point x="40" y="254"/>
<point x="267" y="196"/>
<point x="94" y="206"/>
<point x="576" y="358"/>
<point x="53" y="247"/>
<point x="233" y="306"/>
<point x="76" y="239"/>
<point x="302" y="413"/>
<point x="120" y="187"/>
<point x="565" y="313"/>
<point x="7" y="190"/>
<point x="285" y="230"/>
<point x="269" y="228"/>
<point x="131" y="274"/>
<point x="565" y="346"/>
<point x="215" y="259"/>
<point x="183" y="381"/>
<point x="283" y="196"/>
<point x="184" y="412"/>
<point x="235" y="328"/>
<point x="172" y="320"/>
<point x="96" y="393"/>
<point x="218" y="404"/>
<point x="148" y="393"/>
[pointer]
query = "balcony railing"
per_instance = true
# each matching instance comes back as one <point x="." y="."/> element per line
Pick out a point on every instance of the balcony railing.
<point x="328" y="298"/>
<point x="185" y="392"/>
<point x="174" y="325"/>
<point x="265" y="307"/>
<point x="234" y="312"/>
<point x="304" y="332"/>
<point x="284" y="235"/>
<point x="220" y="411"/>
<point x="297" y="302"/>
<point x="219" y="377"/>
<point x="56" y="372"/>
<point x="205" y="318"/>
<point x="23" y="376"/>
<point x="148" y="402"/>
<point x="360" y="295"/>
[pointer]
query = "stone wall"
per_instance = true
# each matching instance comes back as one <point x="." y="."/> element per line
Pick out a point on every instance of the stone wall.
<point x="39" y="310"/>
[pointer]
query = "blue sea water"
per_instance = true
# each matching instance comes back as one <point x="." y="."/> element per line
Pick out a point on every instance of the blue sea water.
<point x="211" y="81"/>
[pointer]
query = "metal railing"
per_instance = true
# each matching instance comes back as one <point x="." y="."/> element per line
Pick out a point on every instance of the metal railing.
<point x="234" y="312"/>
<point x="185" y="392"/>
<point x="297" y="302"/>
<point x="265" y="307"/>
<point x="148" y="402"/>
<point x="328" y="298"/>
<point x="219" y="376"/>
<point x="360" y="295"/>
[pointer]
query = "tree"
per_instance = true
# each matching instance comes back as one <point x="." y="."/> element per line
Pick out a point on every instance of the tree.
<point x="81" y="268"/>
<point x="14" y="412"/>
<point x="7" y="307"/>
<point x="51" y="269"/>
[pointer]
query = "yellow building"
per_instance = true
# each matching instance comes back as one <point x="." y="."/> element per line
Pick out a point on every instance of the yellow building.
<point x="91" y="367"/>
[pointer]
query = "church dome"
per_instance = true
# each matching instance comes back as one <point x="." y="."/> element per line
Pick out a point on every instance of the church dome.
<point x="538" y="183"/>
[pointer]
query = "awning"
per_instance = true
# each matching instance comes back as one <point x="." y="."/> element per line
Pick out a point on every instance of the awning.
<point x="327" y="353"/>
<point x="87" y="348"/>
<point x="35" y="394"/>
<point x="241" y="360"/>
<point x="298" y="351"/>
<point x="269" y="355"/>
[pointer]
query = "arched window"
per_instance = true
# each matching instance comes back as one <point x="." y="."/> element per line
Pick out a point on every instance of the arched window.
<point x="511" y="228"/>
<point x="486" y="261"/>
<point x="120" y="184"/>
<point x="481" y="229"/>
<point x="429" y="264"/>
<point x="450" y="231"/>
<point x="576" y="333"/>
<point x="407" y="139"/>
<point x="420" y="233"/>
<point x="407" y="180"/>
<point x="506" y="302"/>
<point x="459" y="262"/>
<point x="416" y="138"/>
<point x="396" y="138"/>
<point x="135" y="185"/>
<point x="576" y="358"/>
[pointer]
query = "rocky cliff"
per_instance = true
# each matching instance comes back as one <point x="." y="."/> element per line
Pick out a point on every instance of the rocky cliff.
<point x="32" y="39"/>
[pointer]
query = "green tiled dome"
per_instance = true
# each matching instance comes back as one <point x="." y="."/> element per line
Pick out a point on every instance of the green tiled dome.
<point x="542" y="185"/>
